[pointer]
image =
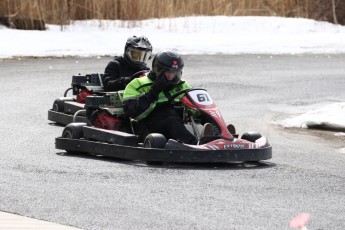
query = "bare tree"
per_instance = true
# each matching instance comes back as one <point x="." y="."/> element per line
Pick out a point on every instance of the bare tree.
<point x="335" y="20"/>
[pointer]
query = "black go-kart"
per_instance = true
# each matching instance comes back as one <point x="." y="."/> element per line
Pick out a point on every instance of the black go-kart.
<point x="101" y="135"/>
<point x="68" y="108"/>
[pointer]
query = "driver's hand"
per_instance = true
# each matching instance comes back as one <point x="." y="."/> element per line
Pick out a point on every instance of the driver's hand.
<point x="159" y="85"/>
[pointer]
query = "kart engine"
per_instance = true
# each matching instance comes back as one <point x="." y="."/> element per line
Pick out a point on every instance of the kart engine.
<point x="106" y="121"/>
<point x="82" y="94"/>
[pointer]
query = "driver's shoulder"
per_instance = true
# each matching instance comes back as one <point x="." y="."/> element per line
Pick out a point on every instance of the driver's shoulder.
<point x="138" y="83"/>
<point x="184" y="85"/>
<point x="143" y="80"/>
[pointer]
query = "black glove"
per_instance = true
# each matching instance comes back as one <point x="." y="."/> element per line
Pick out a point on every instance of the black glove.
<point x="159" y="85"/>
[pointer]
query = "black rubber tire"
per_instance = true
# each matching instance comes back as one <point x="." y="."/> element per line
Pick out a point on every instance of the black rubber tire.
<point x="251" y="136"/>
<point x="73" y="130"/>
<point x="59" y="103"/>
<point x="155" y="140"/>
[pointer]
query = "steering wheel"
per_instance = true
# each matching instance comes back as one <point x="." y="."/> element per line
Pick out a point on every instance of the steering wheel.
<point x="175" y="95"/>
<point x="137" y="74"/>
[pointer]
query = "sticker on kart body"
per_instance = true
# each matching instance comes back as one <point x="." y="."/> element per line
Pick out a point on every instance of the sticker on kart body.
<point x="215" y="113"/>
<point x="201" y="97"/>
<point x="234" y="146"/>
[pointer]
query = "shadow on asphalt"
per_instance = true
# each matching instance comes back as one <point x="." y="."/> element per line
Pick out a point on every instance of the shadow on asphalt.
<point x="56" y="124"/>
<point x="187" y="166"/>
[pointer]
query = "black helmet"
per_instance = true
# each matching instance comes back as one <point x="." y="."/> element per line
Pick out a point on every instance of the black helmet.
<point x="168" y="61"/>
<point x="138" y="50"/>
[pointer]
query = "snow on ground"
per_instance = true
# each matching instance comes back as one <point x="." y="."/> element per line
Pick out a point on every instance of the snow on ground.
<point x="330" y="116"/>
<point x="191" y="35"/>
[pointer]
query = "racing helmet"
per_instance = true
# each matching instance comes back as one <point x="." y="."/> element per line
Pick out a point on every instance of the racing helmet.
<point x="138" y="50"/>
<point x="168" y="61"/>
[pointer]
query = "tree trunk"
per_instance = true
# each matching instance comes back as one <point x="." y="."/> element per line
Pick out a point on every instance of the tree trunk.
<point x="335" y="20"/>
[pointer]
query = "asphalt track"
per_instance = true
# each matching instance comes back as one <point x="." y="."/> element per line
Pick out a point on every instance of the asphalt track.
<point x="254" y="92"/>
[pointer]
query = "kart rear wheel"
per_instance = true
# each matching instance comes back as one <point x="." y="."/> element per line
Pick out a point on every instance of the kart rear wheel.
<point x="73" y="131"/>
<point x="59" y="103"/>
<point x="155" y="140"/>
<point x="251" y="136"/>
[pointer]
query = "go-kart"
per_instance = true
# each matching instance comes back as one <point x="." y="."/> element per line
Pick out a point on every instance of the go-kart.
<point x="196" y="105"/>
<point x="64" y="109"/>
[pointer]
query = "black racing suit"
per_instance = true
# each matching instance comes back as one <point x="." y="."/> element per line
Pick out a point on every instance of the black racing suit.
<point x="118" y="72"/>
<point x="140" y="96"/>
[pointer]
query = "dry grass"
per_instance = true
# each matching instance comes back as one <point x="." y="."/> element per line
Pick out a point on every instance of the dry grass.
<point x="62" y="11"/>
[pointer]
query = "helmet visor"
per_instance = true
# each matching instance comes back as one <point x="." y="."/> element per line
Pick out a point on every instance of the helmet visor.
<point x="173" y="75"/>
<point x="137" y="55"/>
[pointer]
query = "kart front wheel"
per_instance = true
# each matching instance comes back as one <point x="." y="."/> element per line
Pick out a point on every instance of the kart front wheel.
<point x="73" y="130"/>
<point x="251" y="136"/>
<point x="59" y="103"/>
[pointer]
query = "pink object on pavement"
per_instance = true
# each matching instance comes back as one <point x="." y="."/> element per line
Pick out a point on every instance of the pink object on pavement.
<point x="300" y="221"/>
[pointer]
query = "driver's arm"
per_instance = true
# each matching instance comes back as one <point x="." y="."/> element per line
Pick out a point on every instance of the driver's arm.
<point x="111" y="77"/>
<point x="137" y="101"/>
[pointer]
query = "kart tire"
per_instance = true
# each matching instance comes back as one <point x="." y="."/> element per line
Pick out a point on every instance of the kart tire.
<point x="73" y="131"/>
<point x="59" y="103"/>
<point x="155" y="140"/>
<point x="251" y="136"/>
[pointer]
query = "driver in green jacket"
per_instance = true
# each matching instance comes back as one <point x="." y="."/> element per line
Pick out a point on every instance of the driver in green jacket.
<point x="146" y="99"/>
